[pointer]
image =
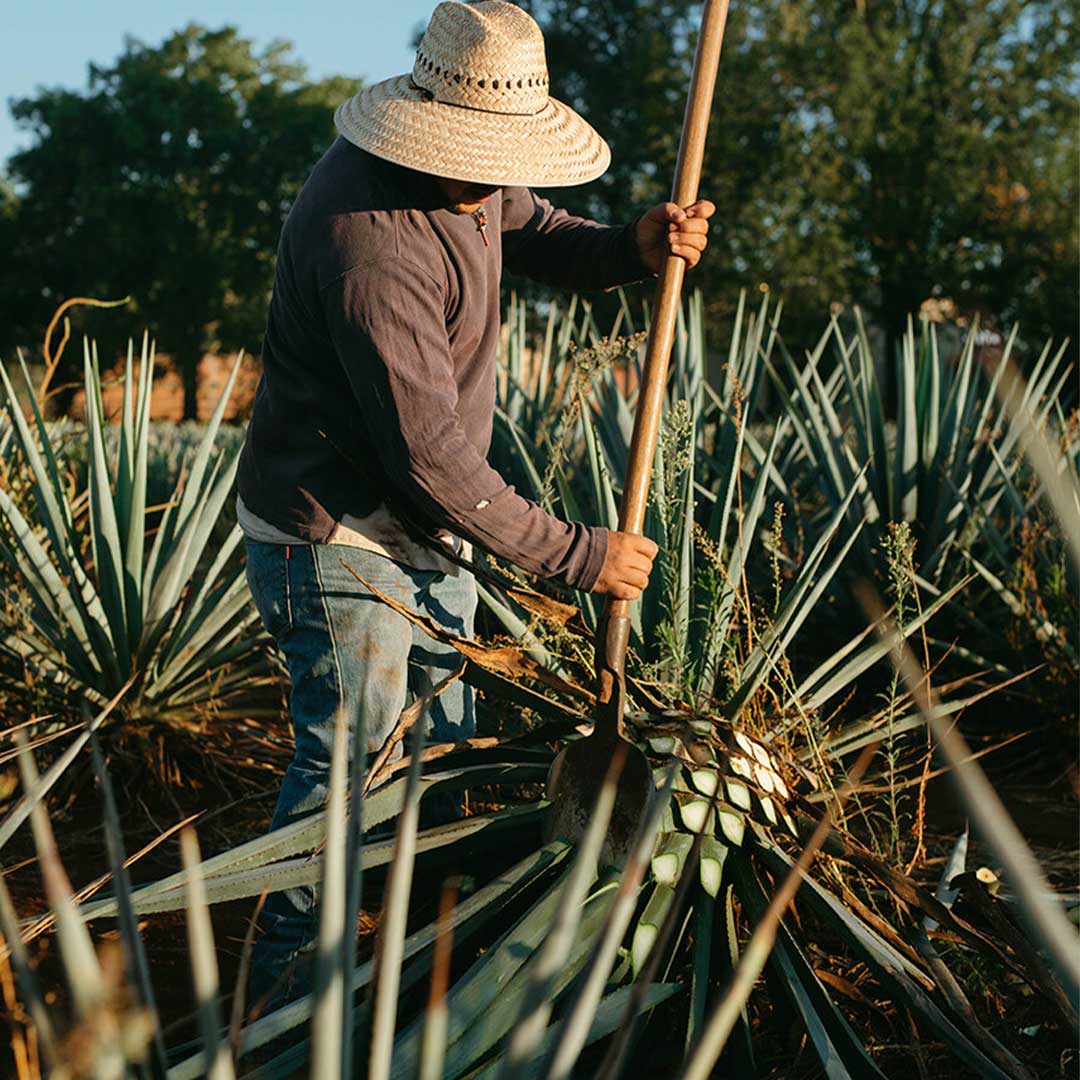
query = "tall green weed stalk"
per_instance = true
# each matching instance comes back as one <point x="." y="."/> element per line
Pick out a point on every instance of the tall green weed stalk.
<point x="676" y="456"/>
<point x="900" y="563"/>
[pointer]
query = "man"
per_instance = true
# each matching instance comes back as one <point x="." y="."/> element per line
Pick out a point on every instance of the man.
<point x="377" y="397"/>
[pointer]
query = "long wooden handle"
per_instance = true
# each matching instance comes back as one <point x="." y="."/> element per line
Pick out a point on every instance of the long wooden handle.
<point x="613" y="631"/>
<point x="669" y="285"/>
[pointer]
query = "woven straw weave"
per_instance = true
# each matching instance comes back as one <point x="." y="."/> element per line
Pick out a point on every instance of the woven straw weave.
<point x="476" y="106"/>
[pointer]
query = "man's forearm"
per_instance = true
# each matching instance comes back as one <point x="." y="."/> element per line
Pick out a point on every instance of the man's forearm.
<point x="556" y="248"/>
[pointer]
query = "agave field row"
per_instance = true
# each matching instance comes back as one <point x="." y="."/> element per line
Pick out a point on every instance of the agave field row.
<point x="811" y="552"/>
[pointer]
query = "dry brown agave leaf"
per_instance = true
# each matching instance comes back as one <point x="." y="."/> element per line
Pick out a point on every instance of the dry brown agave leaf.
<point x="546" y="607"/>
<point x="979" y="888"/>
<point x="536" y="603"/>
<point x="507" y="660"/>
<point x="517" y="693"/>
<point x="910" y="893"/>
<point x="408" y="717"/>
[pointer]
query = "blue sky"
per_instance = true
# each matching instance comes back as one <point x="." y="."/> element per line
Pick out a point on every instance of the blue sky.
<point x="50" y="42"/>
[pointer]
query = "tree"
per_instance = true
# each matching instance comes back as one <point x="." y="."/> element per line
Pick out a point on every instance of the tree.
<point x="955" y="126"/>
<point x="12" y="283"/>
<point x="167" y="179"/>
<point x="876" y="152"/>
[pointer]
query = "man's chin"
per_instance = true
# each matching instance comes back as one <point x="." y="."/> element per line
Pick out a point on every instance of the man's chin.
<point x="468" y="207"/>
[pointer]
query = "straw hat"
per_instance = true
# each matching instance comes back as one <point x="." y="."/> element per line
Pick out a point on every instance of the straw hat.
<point x="476" y="106"/>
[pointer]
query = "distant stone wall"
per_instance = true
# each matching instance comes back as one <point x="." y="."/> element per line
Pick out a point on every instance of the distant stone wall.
<point x="167" y="394"/>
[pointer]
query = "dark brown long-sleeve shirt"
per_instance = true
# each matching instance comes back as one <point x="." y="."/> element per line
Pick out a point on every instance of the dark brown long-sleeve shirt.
<point x="380" y="353"/>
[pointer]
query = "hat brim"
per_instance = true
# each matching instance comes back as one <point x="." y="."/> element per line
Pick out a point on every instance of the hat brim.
<point x="552" y="148"/>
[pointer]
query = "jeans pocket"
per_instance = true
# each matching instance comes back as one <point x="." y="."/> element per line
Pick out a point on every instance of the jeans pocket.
<point x="268" y="579"/>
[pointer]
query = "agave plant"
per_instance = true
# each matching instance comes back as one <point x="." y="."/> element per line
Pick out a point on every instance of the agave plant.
<point x="98" y="602"/>
<point x="572" y="953"/>
<point x="708" y="507"/>
<point x="953" y="468"/>
<point x="700" y="637"/>
<point x="735" y="802"/>
<point x="734" y="607"/>
<point x="118" y="1030"/>
<point x="553" y="952"/>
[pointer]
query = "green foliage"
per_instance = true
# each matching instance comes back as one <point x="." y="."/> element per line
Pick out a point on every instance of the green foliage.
<point x="169" y="445"/>
<point x="548" y="979"/>
<point x="733" y="618"/>
<point x="168" y="179"/>
<point x="900" y="588"/>
<point x="877" y="152"/>
<point x="101" y="604"/>
<point x="952" y="469"/>
<point x="551" y="955"/>
<point x="698" y="633"/>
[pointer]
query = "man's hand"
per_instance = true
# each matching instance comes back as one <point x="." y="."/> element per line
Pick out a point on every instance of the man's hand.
<point x="669" y="230"/>
<point x="626" y="568"/>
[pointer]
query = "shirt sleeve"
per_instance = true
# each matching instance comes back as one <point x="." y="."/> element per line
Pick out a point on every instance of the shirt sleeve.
<point x="550" y="245"/>
<point x="387" y="323"/>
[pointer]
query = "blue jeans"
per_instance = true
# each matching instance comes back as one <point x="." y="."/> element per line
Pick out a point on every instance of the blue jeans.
<point x="345" y="648"/>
